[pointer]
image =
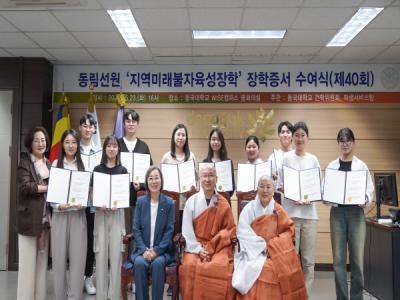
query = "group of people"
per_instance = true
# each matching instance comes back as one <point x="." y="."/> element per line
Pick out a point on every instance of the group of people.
<point x="276" y="242"/>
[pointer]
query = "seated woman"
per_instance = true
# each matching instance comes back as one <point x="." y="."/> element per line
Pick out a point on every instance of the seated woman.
<point x="267" y="266"/>
<point x="153" y="228"/>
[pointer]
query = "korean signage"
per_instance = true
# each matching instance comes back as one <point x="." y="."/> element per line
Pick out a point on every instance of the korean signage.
<point x="232" y="84"/>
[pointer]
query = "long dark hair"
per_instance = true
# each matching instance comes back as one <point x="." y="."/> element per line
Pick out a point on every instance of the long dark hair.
<point x="111" y="139"/>
<point x="186" y="149"/>
<point x="61" y="153"/>
<point x="223" y="153"/>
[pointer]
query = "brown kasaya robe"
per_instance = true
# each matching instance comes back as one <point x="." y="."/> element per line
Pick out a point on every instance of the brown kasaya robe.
<point x="214" y="229"/>
<point x="281" y="276"/>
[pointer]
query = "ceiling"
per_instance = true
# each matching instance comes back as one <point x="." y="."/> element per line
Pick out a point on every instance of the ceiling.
<point x="86" y="34"/>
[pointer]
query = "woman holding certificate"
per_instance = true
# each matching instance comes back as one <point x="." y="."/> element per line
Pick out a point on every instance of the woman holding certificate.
<point x="152" y="229"/>
<point x="300" y="208"/>
<point x="68" y="228"/>
<point x="348" y="223"/>
<point x="33" y="216"/>
<point x="252" y="148"/>
<point x="109" y="227"/>
<point x="217" y="151"/>
<point x="179" y="153"/>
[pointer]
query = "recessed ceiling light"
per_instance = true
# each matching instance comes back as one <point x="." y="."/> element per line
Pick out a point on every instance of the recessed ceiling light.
<point x="238" y="34"/>
<point x="357" y="23"/>
<point x="127" y="27"/>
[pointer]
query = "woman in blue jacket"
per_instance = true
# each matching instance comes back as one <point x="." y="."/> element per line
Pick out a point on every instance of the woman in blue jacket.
<point x="152" y="229"/>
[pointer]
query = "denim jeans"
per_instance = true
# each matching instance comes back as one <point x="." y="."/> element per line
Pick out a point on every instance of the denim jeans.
<point x="306" y="234"/>
<point x="348" y="230"/>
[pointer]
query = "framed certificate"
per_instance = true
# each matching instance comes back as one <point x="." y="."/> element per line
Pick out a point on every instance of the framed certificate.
<point x="300" y="185"/>
<point x="179" y="177"/>
<point x="137" y="165"/>
<point x="66" y="186"/>
<point x="249" y="174"/>
<point x="110" y="191"/>
<point x="346" y="188"/>
<point x="92" y="160"/>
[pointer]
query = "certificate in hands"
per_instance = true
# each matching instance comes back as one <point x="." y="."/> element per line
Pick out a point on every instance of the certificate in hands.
<point x="137" y="165"/>
<point x="224" y="174"/>
<point x="110" y="191"/>
<point x="92" y="160"/>
<point x="179" y="177"/>
<point x="66" y="186"/>
<point x="347" y="188"/>
<point x="302" y="185"/>
<point x="249" y="174"/>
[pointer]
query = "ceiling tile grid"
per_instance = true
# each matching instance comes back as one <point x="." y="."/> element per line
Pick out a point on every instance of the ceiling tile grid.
<point x="86" y="34"/>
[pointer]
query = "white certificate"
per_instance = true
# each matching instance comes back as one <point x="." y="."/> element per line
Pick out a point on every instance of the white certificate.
<point x="356" y="187"/>
<point x="262" y="169"/>
<point x="79" y="188"/>
<point x="310" y="184"/>
<point x="127" y="162"/>
<point x="334" y="186"/>
<point x="141" y="163"/>
<point x="119" y="191"/>
<point x="57" y="191"/>
<point x="224" y="175"/>
<point x="187" y="176"/>
<point x="101" y="189"/>
<point x="249" y="174"/>
<point x="291" y="183"/>
<point x="347" y="188"/>
<point x="245" y="178"/>
<point x="137" y="165"/>
<point x="302" y="184"/>
<point x="92" y="160"/>
<point x="170" y="176"/>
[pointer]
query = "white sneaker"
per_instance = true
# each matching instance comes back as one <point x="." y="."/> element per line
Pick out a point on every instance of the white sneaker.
<point x="89" y="286"/>
<point x="133" y="288"/>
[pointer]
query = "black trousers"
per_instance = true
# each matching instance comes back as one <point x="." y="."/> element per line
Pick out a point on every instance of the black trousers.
<point x="89" y="253"/>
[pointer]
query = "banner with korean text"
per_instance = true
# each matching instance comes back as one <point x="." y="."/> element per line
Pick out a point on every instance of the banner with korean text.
<point x="290" y="83"/>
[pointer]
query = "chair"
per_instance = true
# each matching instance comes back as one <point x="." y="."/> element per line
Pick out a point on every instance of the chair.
<point x="171" y="271"/>
<point x="245" y="197"/>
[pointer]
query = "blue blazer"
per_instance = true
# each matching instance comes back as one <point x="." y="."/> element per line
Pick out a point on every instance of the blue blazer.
<point x="164" y="228"/>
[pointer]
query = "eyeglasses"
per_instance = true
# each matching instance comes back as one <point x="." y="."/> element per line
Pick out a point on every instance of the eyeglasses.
<point x="348" y="142"/>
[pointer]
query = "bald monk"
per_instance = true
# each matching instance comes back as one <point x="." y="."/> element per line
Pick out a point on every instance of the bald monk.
<point x="267" y="266"/>
<point x="208" y="228"/>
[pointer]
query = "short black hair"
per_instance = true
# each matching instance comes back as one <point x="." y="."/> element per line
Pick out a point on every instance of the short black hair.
<point x="146" y="182"/>
<point x="133" y="113"/>
<point x="29" y="138"/>
<point x="252" y="138"/>
<point x="88" y="117"/>
<point x="300" y="125"/>
<point x="287" y="124"/>
<point x="345" y="134"/>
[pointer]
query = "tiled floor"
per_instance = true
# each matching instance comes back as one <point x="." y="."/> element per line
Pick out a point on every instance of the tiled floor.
<point x="324" y="287"/>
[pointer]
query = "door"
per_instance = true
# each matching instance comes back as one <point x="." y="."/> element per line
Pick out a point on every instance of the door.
<point x="5" y="167"/>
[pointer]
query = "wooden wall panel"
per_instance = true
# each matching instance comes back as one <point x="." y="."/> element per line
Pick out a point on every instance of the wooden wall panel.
<point x="376" y="127"/>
